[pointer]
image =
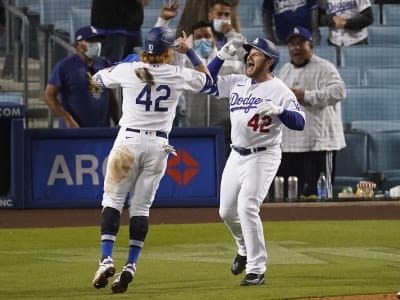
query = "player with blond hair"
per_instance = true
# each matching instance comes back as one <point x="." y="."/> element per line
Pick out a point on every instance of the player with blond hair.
<point x="138" y="159"/>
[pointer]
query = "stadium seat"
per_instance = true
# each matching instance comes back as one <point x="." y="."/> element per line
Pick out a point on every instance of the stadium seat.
<point x="56" y="12"/>
<point x="376" y="12"/>
<point x="383" y="155"/>
<point x="251" y="33"/>
<point x="78" y="17"/>
<point x="375" y="125"/>
<point x="391" y="178"/>
<point x="32" y="5"/>
<point x="383" y="35"/>
<point x="352" y="76"/>
<point x="250" y="14"/>
<point x="324" y="32"/>
<point x="390" y="14"/>
<point x="373" y="56"/>
<point x="159" y="3"/>
<point x="365" y="103"/>
<point x="351" y="161"/>
<point x="14" y="97"/>
<point x="382" y="76"/>
<point x="150" y="16"/>
<point x="327" y="52"/>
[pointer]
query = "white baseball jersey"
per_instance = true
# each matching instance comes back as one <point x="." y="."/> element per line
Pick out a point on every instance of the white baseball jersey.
<point x="246" y="178"/>
<point x="244" y="97"/>
<point x="150" y="107"/>
<point x="346" y="9"/>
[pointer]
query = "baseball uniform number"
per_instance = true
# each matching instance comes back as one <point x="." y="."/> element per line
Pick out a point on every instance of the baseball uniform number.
<point x="144" y="97"/>
<point x="254" y="123"/>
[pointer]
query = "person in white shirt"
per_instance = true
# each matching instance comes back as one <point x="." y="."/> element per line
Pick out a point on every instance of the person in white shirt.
<point x="319" y="89"/>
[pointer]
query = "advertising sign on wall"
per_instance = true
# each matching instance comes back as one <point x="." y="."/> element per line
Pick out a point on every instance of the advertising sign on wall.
<point x="67" y="168"/>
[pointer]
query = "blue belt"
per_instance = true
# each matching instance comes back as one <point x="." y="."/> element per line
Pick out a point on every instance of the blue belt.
<point x="158" y="133"/>
<point x="247" y="151"/>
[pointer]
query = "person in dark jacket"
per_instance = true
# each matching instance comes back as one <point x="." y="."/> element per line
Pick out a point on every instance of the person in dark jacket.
<point x="120" y="21"/>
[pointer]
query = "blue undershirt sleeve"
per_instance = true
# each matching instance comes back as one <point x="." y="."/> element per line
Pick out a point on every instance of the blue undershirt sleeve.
<point x="214" y="66"/>
<point x="292" y="119"/>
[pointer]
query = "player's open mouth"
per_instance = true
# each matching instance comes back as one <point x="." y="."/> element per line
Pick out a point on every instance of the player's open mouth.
<point x="250" y="66"/>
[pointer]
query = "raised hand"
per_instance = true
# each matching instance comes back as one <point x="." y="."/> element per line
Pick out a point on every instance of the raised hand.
<point x="181" y="44"/>
<point x="229" y="49"/>
<point x="169" y="11"/>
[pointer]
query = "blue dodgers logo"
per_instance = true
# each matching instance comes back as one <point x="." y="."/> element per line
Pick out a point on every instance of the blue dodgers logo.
<point x="247" y="103"/>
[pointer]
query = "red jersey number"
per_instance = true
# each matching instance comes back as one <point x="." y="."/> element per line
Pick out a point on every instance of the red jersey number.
<point x="262" y="126"/>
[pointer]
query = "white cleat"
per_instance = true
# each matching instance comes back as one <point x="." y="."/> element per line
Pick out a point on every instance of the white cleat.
<point x="106" y="269"/>
<point x="120" y="284"/>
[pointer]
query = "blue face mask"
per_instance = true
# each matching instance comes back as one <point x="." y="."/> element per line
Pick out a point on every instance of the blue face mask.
<point x="203" y="47"/>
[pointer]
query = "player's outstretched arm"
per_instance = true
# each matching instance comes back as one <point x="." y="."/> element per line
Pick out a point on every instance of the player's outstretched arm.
<point x="228" y="51"/>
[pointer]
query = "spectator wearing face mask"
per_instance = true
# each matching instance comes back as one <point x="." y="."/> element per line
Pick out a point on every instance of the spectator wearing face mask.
<point x="220" y="15"/>
<point x="198" y="10"/>
<point x="205" y="44"/>
<point x="207" y="110"/>
<point x="200" y="109"/>
<point x="71" y="93"/>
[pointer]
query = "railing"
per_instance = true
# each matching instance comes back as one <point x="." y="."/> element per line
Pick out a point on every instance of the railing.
<point x="11" y="36"/>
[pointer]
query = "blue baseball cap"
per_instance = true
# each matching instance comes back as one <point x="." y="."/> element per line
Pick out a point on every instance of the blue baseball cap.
<point x="158" y="39"/>
<point x="302" y="32"/>
<point x="265" y="46"/>
<point x="87" y="33"/>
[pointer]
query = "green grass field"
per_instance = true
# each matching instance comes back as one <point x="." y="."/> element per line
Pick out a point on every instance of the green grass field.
<point x="183" y="262"/>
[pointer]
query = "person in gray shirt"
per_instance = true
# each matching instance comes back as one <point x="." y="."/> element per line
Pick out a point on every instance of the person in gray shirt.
<point x="319" y="89"/>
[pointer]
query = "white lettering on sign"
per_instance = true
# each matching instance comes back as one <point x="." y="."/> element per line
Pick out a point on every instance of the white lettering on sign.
<point x="90" y="170"/>
<point x="6" y="203"/>
<point x="85" y="164"/>
<point x="8" y="112"/>
<point x="60" y="170"/>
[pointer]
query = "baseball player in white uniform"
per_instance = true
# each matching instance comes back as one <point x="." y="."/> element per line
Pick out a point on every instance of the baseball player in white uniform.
<point x="138" y="159"/>
<point x="260" y="105"/>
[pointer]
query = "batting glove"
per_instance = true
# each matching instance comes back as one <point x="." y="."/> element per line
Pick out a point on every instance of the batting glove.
<point x="229" y="49"/>
<point x="169" y="149"/>
<point x="269" y="109"/>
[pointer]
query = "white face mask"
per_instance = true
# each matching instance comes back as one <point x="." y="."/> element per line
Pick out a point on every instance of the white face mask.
<point x="218" y="22"/>
<point x="93" y="50"/>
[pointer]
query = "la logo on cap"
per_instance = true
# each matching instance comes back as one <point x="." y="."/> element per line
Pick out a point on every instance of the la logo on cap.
<point x="94" y="30"/>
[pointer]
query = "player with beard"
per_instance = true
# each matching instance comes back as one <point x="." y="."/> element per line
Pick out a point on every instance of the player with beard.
<point x="260" y="106"/>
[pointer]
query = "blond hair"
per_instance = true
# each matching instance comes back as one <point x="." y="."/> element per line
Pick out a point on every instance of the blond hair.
<point x="164" y="58"/>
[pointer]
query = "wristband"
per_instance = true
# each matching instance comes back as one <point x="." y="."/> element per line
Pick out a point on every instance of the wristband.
<point x="194" y="59"/>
